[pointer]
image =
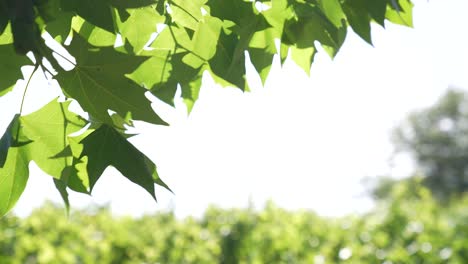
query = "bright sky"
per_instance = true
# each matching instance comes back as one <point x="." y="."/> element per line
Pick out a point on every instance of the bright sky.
<point x="302" y="142"/>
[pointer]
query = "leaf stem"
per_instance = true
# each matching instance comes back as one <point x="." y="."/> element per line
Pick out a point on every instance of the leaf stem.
<point x="65" y="58"/>
<point x="26" y="88"/>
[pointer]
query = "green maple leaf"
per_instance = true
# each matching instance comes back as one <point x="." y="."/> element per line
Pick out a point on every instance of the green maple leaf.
<point x="106" y="147"/>
<point x="205" y="38"/>
<point x="99" y="84"/>
<point x="94" y="35"/>
<point x="10" y="67"/>
<point x="49" y="128"/>
<point x="13" y="178"/>
<point x="99" y="13"/>
<point x="400" y="12"/>
<point x="228" y="64"/>
<point x="60" y="27"/>
<point x="262" y="49"/>
<point x="47" y="131"/>
<point x="312" y="25"/>
<point x="332" y="10"/>
<point x="139" y="26"/>
<point x="14" y="159"/>
<point x="187" y="13"/>
<point x="376" y="9"/>
<point x="8" y="139"/>
<point x="178" y="60"/>
<point x="6" y="37"/>
<point x="358" y="21"/>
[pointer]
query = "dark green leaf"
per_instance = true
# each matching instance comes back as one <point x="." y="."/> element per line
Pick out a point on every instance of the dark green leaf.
<point x="61" y="187"/>
<point x="356" y="12"/>
<point x="48" y="9"/>
<point x="10" y="67"/>
<point x="106" y="147"/>
<point x="8" y="139"/>
<point x="262" y="49"/>
<point x="377" y="9"/>
<point x="3" y="16"/>
<point x="99" y="13"/>
<point x="60" y="27"/>
<point x="332" y="10"/>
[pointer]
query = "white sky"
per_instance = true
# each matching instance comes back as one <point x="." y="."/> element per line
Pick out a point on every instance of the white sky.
<point x="302" y="142"/>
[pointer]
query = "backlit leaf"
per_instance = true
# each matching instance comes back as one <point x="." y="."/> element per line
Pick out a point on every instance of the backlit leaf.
<point x="138" y="28"/>
<point x="49" y="128"/>
<point x="99" y="84"/>
<point x="106" y="147"/>
<point x="13" y="178"/>
<point x="10" y="67"/>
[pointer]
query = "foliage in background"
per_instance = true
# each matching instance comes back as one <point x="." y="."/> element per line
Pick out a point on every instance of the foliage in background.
<point x="408" y="228"/>
<point x="437" y="139"/>
<point x="165" y="44"/>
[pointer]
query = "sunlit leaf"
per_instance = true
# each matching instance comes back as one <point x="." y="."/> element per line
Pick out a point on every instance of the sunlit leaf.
<point x="99" y="84"/>
<point x="13" y="178"/>
<point x="139" y="26"/>
<point x="49" y="128"/>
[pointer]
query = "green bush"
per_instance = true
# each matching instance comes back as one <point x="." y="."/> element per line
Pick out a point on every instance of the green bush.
<point x="409" y="227"/>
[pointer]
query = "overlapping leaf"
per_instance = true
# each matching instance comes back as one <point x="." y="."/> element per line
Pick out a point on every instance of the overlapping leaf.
<point x="106" y="147"/>
<point x="10" y="67"/>
<point x="3" y="16"/>
<point x="99" y="84"/>
<point x="8" y="139"/>
<point x="98" y="13"/>
<point x="48" y="129"/>
<point x="400" y="12"/>
<point x="13" y="178"/>
<point x="139" y="25"/>
<point x="110" y="83"/>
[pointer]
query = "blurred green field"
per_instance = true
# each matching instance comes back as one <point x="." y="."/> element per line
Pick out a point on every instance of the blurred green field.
<point x="409" y="226"/>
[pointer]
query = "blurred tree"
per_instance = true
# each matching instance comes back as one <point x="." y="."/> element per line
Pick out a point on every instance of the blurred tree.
<point x="437" y="139"/>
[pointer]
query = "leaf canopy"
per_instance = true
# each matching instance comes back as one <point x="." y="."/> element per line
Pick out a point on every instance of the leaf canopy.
<point x="125" y="49"/>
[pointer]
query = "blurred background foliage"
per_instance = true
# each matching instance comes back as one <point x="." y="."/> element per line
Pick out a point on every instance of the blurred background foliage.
<point x="419" y="219"/>
<point x="409" y="227"/>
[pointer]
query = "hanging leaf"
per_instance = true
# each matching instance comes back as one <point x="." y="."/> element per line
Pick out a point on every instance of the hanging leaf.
<point x="49" y="10"/>
<point x="109" y="81"/>
<point x="376" y="10"/>
<point x="8" y="139"/>
<point x="98" y="13"/>
<point x="106" y="147"/>
<point x="60" y="27"/>
<point x="10" y="67"/>
<point x="13" y="178"/>
<point x="4" y="18"/>
<point x="139" y="26"/>
<point x="333" y="11"/>
<point x="400" y="12"/>
<point x="99" y="84"/>
<point x="359" y="22"/>
<point x="49" y="128"/>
